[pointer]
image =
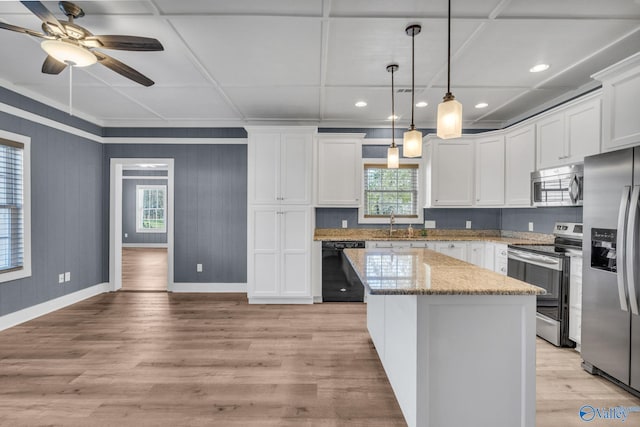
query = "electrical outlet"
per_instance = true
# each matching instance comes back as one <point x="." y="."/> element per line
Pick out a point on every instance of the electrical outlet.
<point x="67" y="276"/>
<point x="198" y="268"/>
<point x="468" y="224"/>
<point x="530" y="226"/>
<point x="429" y="224"/>
<point x="345" y="223"/>
<point x="61" y="278"/>
<point x="126" y="235"/>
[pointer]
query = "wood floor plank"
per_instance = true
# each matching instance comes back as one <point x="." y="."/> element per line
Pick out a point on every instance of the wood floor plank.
<point x="162" y="359"/>
<point x="144" y="269"/>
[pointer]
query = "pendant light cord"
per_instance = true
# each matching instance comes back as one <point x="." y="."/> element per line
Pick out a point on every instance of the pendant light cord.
<point x="413" y="78"/>
<point x="449" y="51"/>
<point x="393" y="112"/>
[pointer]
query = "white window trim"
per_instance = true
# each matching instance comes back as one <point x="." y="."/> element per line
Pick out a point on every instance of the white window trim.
<point x="398" y="220"/>
<point x="139" y="208"/>
<point x="25" y="271"/>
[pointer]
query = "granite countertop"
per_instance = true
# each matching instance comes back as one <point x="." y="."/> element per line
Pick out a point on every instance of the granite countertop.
<point x="370" y="234"/>
<point x="426" y="272"/>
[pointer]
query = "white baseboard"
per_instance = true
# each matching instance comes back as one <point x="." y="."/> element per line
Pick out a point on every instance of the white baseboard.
<point x="317" y="299"/>
<point x="29" y="313"/>
<point x="210" y="287"/>
<point x="304" y="300"/>
<point x="145" y="245"/>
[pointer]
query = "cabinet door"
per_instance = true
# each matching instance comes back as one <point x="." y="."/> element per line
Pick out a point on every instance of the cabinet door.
<point x="620" y="106"/>
<point x="296" y="251"/>
<point x="264" y="167"/>
<point x="501" y="259"/>
<point x="295" y="170"/>
<point x="490" y="171"/>
<point x="520" y="148"/>
<point x="583" y="130"/>
<point x="452" y="173"/>
<point x="551" y="141"/>
<point x="489" y="256"/>
<point x="453" y="249"/>
<point x="476" y="254"/>
<point x="339" y="172"/>
<point x="264" y="242"/>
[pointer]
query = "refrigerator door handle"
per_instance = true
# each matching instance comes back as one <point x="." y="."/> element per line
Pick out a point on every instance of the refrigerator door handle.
<point x="621" y="245"/>
<point x="632" y="232"/>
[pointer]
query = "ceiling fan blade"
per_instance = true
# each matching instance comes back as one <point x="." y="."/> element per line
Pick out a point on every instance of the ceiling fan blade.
<point x="52" y="65"/>
<point x="122" y="69"/>
<point x="21" y="30"/>
<point x="126" y="43"/>
<point x="44" y="14"/>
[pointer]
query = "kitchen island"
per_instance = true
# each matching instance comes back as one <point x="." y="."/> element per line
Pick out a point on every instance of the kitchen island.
<point x="457" y="342"/>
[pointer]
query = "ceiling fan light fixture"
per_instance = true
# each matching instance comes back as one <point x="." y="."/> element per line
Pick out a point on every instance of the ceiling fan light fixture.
<point x="69" y="53"/>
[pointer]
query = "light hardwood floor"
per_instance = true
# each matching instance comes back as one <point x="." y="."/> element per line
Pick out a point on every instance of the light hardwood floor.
<point x="163" y="359"/>
<point x="144" y="269"/>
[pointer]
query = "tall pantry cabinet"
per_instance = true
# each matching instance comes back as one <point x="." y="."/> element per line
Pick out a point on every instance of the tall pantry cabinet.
<point x="280" y="229"/>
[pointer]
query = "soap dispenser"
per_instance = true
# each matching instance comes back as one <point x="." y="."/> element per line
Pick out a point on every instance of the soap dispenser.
<point x="410" y="231"/>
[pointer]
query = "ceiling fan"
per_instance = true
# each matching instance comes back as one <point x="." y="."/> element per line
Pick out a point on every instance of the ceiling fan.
<point x="67" y="43"/>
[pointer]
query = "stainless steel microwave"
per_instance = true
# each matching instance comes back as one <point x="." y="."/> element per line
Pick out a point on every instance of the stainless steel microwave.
<point x="561" y="186"/>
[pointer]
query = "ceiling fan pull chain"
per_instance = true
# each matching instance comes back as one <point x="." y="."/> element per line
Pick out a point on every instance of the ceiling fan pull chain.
<point x="71" y="89"/>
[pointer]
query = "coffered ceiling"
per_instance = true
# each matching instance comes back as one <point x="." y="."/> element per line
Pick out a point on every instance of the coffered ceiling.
<point x="231" y="63"/>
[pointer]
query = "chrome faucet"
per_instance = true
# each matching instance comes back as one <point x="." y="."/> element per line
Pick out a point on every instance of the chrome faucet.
<point x="392" y="220"/>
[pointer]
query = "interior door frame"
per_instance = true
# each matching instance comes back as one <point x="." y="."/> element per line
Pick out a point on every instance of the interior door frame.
<point x="117" y="166"/>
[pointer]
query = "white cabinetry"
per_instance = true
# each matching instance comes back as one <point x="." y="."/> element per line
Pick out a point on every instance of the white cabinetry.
<point x="450" y="172"/>
<point x="279" y="166"/>
<point x="490" y="171"/>
<point x="501" y="260"/>
<point x="569" y="134"/>
<point x="456" y="250"/>
<point x="620" y="104"/>
<point x="280" y="224"/>
<point x="400" y="244"/>
<point x="575" y="299"/>
<point x="280" y="246"/>
<point x="339" y="169"/>
<point x="476" y="254"/>
<point x="520" y="149"/>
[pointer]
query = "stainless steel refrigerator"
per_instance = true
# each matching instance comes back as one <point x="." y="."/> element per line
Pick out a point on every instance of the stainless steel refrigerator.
<point x="611" y="268"/>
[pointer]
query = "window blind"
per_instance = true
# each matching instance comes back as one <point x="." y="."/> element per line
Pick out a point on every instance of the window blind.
<point x="11" y="206"/>
<point x="388" y="191"/>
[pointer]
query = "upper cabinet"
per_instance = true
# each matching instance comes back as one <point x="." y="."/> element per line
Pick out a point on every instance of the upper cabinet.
<point x="570" y="133"/>
<point x="520" y="149"/>
<point x="620" y="104"/>
<point x="339" y="169"/>
<point x="280" y="165"/>
<point x="450" y="172"/>
<point x="490" y="171"/>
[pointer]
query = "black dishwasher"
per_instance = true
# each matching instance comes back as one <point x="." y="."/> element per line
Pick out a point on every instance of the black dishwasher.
<point x="339" y="281"/>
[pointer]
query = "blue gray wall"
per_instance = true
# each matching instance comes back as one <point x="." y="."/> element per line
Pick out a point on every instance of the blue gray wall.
<point x="129" y="234"/>
<point x="210" y="207"/>
<point x="67" y="214"/>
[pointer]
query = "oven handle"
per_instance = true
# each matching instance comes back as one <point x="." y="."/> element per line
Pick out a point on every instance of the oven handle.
<point x="621" y="245"/>
<point x="539" y="260"/>
<point x="631" y="249"/>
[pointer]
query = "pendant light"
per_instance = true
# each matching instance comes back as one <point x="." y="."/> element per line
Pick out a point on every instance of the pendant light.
<point x="412" y="141"/>
<point x="393" y="153"/>
<point x="449" y="111"/>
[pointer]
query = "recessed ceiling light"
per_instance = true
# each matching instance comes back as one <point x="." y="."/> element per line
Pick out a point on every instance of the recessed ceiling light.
<point x="361" y="104"/>
<point x="393" y="117"/>
<point x="538" y="68"/>
<point x="422" y="104"/>
<point x="482" y="105"/>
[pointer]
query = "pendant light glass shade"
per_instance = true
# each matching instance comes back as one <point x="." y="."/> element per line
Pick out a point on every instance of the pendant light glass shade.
<point x="393" y="158"/>
<point x="412" y="145"/>
<point x="449" y="118"/>
<point x="412" y="140"/>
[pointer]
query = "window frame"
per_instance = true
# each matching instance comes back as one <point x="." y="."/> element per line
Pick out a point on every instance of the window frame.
<point x="25" y="270"/>
<point x="140" y="207"/>
<point x="363" y="219"/>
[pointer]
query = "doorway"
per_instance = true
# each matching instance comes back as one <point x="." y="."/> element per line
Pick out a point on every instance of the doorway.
<point x="141" y="224"/>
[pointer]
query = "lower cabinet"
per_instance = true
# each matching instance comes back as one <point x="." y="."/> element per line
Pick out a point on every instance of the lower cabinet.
<point x="476" y="254"/>
<point x="501" y="259"/>
<point x="279" y="255"/>
<point x="575" y="299"/>
<point x="453" y="249"/>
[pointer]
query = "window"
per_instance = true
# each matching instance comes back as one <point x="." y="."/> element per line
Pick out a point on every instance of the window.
<point x="391" y="191"/>
<point x="151" y="205"/>
<point x="15" y="256"/>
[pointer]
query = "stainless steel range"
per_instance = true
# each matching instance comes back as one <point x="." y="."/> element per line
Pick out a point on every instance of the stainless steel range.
<point x="548" y="266"/>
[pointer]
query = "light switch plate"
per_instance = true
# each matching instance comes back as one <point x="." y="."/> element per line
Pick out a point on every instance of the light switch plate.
<point x="67" y="276"/>
<point x="198" y="268"/>
<point x="530" y="226"/>
<point x="345" y="223"/>
<point x="429" y="224"/>
<point x="468" y="224"/>
<point x="61" y="278"/>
